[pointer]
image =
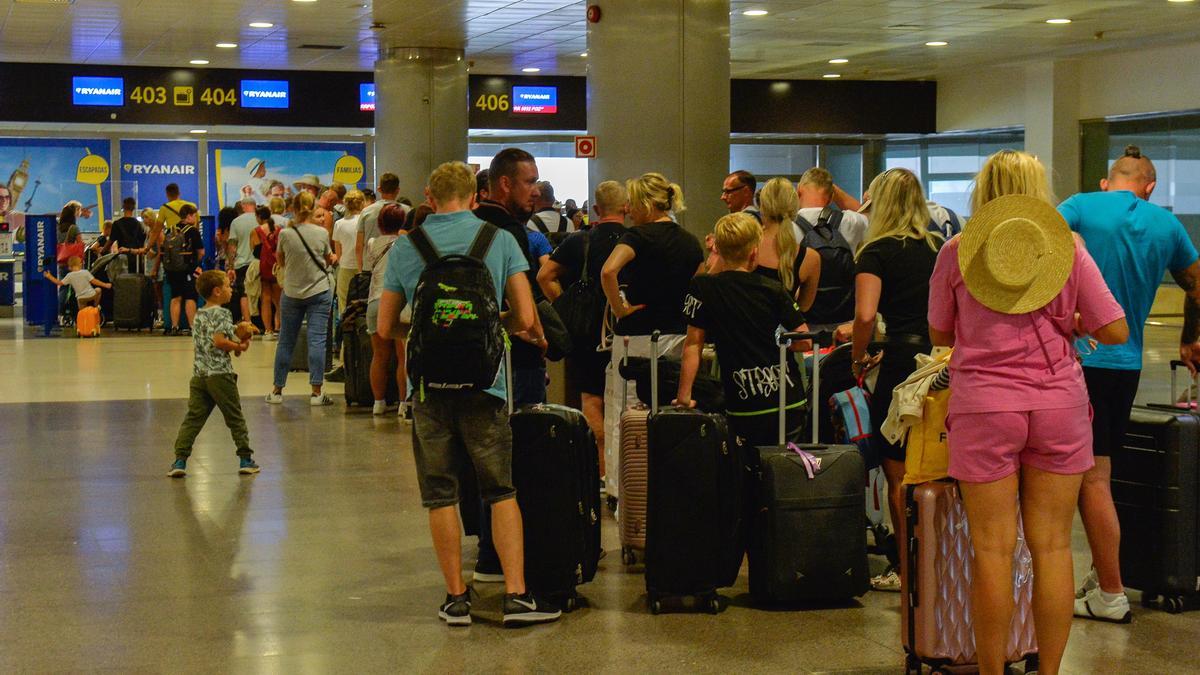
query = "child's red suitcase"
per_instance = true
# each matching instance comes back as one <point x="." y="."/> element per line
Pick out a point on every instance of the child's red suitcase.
<point x="935" y="573"/>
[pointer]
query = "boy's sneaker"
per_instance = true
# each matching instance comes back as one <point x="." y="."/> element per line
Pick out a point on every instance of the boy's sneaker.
<point x="527" y="609"/>
<point x="248" y="466"/>
<point x="1092" y="580"/>
<point x="456" y="610"/>
<point x="379" y="408"/>
<point x="272" y="397"/>
<point x="271" y="337"/>
<point x="888" y="582"/>
<point x="1094" y="605"/>
<point x="319" y="400"/>
<point x="178" y="469"/>
<point x="405" y="412"/>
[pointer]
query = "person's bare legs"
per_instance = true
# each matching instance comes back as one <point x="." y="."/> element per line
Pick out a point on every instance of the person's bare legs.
<point x="1099" y="516"/>
<point x="894" y="471"/>
<point x="401" y="366"/>
<point x="265" y="308"/>
<point x="1047" y="507"/>
<point x="447" y="544"/>
<point x="593" y="412"/>
<point x="176" y="304"/>
<point x="190" y="308"/>
<point x="379" y="365"/>
<point x="508" y="536"/>
<point x="992" y="517"/>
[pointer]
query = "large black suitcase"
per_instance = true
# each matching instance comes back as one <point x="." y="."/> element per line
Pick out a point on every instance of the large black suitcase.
<point x="808" y="543"/>
<point x="693" y="507"/>
<point x="556" y="471"/>
<point x="133" y="299"/>
<point x="1155" y="478"/>
<point x="357" y="354"/>
<point x="300" y="353"/>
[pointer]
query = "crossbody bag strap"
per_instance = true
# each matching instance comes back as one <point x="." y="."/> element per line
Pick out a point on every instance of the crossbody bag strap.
<point x="310" y="253"/>
<point x="424" y="246"/>
<point x="541" y="224"/>
<point x="587" y="242"/>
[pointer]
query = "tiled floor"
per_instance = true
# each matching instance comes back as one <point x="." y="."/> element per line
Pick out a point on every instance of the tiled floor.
<point x="322" y="562"/>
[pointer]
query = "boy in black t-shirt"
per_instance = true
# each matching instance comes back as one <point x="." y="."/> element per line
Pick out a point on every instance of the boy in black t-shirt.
<point x="742" y="312"/>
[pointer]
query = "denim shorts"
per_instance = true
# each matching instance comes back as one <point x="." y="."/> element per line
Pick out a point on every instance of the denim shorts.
<point x="450" y="427"/>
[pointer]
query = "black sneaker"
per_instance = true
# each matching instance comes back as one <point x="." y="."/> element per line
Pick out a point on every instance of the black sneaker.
<point x="488" y="572"/>
<point x="524" y="610"/>
<point x="456" y="611"/>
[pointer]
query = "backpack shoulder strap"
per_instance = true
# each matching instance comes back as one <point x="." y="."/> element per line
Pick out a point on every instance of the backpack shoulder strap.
<point x="424" y="246"/>
<point x="483" y="241"/>
<point x="587" y="242"/>
<point x="825" y="217"/>
<point x="168" y="207"/>
<point x="541" y="224"/>
<point x="563" y="223"/>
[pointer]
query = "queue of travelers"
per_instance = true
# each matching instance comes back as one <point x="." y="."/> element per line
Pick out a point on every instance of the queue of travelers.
<point x="1043" y="308"/>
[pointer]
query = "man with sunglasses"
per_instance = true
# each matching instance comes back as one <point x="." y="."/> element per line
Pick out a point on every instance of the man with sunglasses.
<point x="738" y="192"/>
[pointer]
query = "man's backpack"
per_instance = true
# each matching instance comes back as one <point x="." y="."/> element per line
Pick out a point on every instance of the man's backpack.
<point x="456" y="341"/>
<point x="835" y="290"/>
<point x="564" y="225"/>
<point x="581" y="305"/>
<point x="943" y="221"/>
<point x="177" y="250"/>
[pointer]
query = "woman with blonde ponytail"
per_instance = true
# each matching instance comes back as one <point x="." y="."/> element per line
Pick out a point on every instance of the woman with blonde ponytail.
<point x="782" y="255"/>
<point x="891" y="277"/>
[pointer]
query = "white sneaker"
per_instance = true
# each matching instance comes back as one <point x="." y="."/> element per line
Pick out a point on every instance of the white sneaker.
<point x="319" y="400"/>
<point x="272" y="397"/>
<point x="405" y="412"/>
<point x="1092" y="580"/>
<point x="1094" y="606"/>
<point x="270" y="337"/>
<point x="379" y="408"/>
<point x="888" y="582"/>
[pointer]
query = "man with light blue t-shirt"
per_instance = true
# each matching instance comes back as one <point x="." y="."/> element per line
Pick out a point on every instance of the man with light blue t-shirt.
<point x="1133" y="243"/>
<point x="239" y="234"/>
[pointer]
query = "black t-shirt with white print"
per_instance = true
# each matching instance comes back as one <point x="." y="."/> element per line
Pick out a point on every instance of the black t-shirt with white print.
<point x="741" y="312"/>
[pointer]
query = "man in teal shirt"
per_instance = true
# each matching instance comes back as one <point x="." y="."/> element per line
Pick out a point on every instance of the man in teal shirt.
<point x="448" y="421"/>
<point x="1134" y="243"/>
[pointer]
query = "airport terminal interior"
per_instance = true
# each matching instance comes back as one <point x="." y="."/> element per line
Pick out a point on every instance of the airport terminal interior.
<point x="323" y="561"/>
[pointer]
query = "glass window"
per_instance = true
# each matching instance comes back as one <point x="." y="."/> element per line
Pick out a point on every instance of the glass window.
<point x="767" y="160"/>
<point x="947" y="166"/>
<point x="845" y="162"/>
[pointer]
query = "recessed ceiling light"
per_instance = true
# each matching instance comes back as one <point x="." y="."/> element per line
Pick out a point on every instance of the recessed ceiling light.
<point x="755" y="12"/>
<point x="1180" y="0"/>
<point x="261" y="24"/>
<point x="831" y="76"/>
<point x="1058" y="21"/>
<point x="304" y="0"/>
<point x="198" y="131"/>
<point x="839" y="61"/>
<point x="584" y="55"/>
<point x="198" y="62"/>
<point x="227" y="45"/>
<point x="531" y="70"/>
<point x="937" y="43"/>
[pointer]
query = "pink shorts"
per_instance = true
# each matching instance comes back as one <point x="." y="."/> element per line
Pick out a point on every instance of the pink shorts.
<point x="986" y="447"/>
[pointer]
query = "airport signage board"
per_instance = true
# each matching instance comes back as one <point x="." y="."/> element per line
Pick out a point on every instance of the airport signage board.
<point x="366" y="97"/>
<point x="265" y="94"/>
<point x="103" y="91"/>
<point x="535" y="100"/>
<point x="528" y="103"/>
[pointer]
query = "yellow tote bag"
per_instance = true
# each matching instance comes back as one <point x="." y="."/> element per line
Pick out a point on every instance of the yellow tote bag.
<point x="927" y="455"/>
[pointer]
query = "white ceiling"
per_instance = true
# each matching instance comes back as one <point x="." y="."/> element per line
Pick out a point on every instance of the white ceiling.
<point x="884" y="39"/>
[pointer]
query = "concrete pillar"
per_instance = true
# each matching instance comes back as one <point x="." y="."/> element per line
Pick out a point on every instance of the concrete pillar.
<point x="658" y="98"/>
<point x="1052" y="121"/>
<point x="420" y="113"/>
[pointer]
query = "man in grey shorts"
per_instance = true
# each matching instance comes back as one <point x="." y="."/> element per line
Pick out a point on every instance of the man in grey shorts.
<point x="449" y="423"/>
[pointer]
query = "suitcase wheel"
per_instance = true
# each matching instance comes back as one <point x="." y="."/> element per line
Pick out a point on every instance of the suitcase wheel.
<point x="628" y="556"/>
<point x="1149" y="600"/>
<point x="714" y="605"/>
<point x="1173" y="605"/>
<point x="912" y="666"/>
<point x="571" y="604"/>
<point x="655" y="606"/>
<point x="612" y="503"/>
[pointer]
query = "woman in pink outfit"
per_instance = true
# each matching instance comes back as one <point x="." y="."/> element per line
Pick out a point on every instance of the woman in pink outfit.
<point x="1011" y="294"/>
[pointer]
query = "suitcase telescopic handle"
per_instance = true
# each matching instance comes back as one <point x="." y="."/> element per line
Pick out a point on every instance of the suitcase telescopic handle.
<point x="654" y="371"/>
<point x="819" y="339"/>
<point x="1176" y="364"/>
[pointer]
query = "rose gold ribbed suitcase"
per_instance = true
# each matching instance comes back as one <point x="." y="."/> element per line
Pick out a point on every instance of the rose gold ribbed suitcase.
<point x="632" y="510"/>
<point x="935" y="559"/>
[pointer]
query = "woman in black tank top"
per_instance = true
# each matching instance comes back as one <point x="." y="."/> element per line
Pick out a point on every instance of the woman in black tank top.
<point x="781" y="256"/>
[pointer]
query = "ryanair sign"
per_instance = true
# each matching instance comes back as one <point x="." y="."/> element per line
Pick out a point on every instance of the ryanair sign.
<point x="106" y="91"/>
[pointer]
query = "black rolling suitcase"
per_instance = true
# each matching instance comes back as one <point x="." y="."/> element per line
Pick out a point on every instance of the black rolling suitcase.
<point x="693" y="507"/>
<point x="300" y="353"/>
<point x="1156" y="489"/>
<point x="556" y="471"/>
<point x="133" y="299"/>
<point x="808" y="543"/>
<point x="357" y="353"/>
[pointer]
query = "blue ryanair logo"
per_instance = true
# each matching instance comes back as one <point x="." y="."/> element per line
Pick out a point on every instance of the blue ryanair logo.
<point x="265" y="94"/>
<point x="106" y="91"/>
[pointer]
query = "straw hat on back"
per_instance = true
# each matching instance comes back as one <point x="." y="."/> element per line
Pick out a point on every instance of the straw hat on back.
<point x="1016" y="254"/>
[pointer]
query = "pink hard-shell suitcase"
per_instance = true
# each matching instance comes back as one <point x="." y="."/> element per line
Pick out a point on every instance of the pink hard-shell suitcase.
<point x="935" y="560"/>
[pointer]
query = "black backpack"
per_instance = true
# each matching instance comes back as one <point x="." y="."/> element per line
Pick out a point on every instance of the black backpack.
<point x="456" y="341"/>
<point x="177" y="252"/>
<point x="835" y="289"/>
<point x="563" y="224"/>
<point x="581" y="305"/>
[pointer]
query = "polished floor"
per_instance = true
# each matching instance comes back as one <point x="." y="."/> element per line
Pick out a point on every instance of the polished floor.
<point x="322" y="563"/>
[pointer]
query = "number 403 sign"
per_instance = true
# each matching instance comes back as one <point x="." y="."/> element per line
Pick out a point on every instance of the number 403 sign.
<point x="183" y="96"/>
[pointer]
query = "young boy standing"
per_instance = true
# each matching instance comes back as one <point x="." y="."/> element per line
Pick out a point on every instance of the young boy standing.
<point x="743" y="311"/>
<point x="213" y="381"/>
<point x="81" y="281"/>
